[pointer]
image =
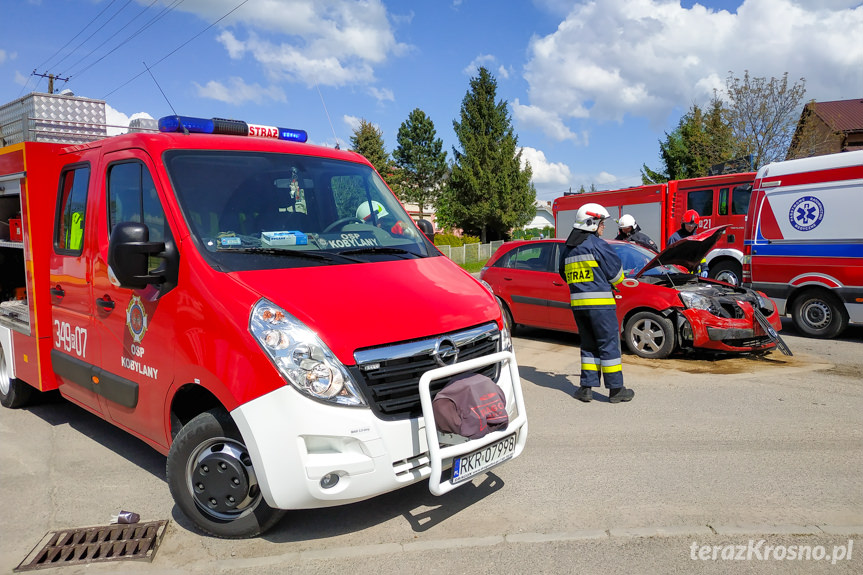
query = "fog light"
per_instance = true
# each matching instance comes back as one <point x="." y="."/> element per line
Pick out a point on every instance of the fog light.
<point x="329" y="480"/>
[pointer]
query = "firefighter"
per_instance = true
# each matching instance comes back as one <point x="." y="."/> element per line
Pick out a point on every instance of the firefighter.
<point x="591" y="268"/>
<point x="687" y="228"/>
<point x="630" y="231"/>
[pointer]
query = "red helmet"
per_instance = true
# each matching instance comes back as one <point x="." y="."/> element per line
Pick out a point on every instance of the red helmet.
<point x="691" y="217"/>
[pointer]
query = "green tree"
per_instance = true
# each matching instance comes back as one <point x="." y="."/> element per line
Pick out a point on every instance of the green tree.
<point x="762" y="115"/>
<point x="488" y="193"/>
<point x="368" y="140"/>
<point x="699" y="142"/>
<point x="420" y="160"/>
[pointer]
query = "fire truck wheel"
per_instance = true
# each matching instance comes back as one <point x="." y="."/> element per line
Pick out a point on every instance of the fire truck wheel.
<point x="649" y="335"/>
<point x="212" y="480"/>
<point x="14" y="393"/>
<point x="818" y="313"/>
<point x="727" y="271"/>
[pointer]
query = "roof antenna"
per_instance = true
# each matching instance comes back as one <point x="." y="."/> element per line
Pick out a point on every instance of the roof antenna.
<point x="164" y="96"/>
<point x="328" y="115"/>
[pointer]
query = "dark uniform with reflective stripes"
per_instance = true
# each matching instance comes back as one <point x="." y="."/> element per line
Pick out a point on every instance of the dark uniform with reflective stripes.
<point x="591" y="267"/>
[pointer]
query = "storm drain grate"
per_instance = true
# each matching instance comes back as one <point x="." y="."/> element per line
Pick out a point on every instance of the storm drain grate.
<point x="96" y="545"/>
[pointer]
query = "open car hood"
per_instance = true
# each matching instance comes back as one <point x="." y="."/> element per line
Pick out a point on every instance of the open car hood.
<point x="688" y="252"/>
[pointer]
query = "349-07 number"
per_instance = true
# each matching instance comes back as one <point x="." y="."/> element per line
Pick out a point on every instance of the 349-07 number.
<point x="70" y="338"/>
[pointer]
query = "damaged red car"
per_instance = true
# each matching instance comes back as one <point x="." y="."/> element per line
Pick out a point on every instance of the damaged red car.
<point x="662" y="305"/>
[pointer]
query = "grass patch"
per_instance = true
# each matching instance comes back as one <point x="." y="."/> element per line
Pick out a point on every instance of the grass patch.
<point x="473" y="267"/>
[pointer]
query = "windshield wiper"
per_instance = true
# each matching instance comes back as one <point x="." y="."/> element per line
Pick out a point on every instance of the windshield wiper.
<point x="290" y="253"/>
<point x="377" y="250"/>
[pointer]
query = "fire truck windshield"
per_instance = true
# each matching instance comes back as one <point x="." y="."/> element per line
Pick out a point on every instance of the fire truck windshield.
<point x="248" y="210"/>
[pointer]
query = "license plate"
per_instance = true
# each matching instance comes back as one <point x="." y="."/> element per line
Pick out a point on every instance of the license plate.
<point x="466" y="466"/>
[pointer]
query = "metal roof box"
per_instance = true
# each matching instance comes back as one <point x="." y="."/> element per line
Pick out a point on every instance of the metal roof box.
<point x="57" y="118"/>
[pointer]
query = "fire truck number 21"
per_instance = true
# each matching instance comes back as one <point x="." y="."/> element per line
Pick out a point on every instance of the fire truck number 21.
<point x="70" y="339"/>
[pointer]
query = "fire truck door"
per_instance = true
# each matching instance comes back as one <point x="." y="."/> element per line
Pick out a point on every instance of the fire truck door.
<point x="75" y="352"/>
<point x="133" y="326"/>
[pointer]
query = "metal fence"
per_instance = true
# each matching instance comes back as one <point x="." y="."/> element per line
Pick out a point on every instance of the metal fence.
<point x="470" y="252"/>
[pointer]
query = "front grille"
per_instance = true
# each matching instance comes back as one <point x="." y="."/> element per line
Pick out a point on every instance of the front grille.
<point x="390" y="375"/>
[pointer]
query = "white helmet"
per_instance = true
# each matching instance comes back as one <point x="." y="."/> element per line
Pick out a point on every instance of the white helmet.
<point x="588" y="216"/>
<point x="364" y="214"/>
<point x="626" y="221"/>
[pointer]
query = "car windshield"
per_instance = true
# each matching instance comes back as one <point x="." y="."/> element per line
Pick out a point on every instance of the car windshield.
<point x="262" y="210"/>
<point x="634" y="257"/>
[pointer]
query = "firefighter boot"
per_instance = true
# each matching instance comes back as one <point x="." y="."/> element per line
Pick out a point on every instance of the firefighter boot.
<point x="620" y="394"/>
<point x="584" y="394"/>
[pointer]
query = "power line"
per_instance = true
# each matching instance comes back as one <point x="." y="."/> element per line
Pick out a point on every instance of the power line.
<point x="146" y="25"/>
<point x="76" y="35"/>
<point x="96" y="31"/>
<point x="178" y="48"/>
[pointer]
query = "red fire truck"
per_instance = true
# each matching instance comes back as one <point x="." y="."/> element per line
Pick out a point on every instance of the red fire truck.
<point x="260" y="310"/>
<point x="658" y="209"/>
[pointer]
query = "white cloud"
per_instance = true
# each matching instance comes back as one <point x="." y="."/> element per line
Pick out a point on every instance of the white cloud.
<point x="20" y="78"/>
<point x="483" y="60"/>
<point x="534" y="117"/>
<point x="382" y="94"/>
<point x="2" y="55"/>
<point x="352" y="122"/>
<point x="545" y="172"/>
<point x="118" y="121"/>
<point x="237" y="92"/>
<point x="644" y="58"/>
<point x="331" y="42"/>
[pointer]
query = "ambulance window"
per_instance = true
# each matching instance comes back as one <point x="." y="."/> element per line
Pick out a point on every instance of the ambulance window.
<point x="701" y="201"/>
<point x="72" y="208"/>
<point x="740" y="200"/>
<point x="132" y="197"/>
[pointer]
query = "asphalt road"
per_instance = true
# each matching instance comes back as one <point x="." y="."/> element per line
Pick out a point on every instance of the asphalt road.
<point x="713" y="455"/>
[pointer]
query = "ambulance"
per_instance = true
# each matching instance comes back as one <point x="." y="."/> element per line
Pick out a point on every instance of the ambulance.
<point x="260" y="310"/>
<point x="804" y="242"/>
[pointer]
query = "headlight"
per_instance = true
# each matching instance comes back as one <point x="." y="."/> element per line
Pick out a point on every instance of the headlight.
<point x="763" y="302"/>
<point x="693" y="300"/>
<point x="301" y="357"/>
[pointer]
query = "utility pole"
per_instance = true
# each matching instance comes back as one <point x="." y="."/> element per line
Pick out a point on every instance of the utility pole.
<point x="51" y="78"/>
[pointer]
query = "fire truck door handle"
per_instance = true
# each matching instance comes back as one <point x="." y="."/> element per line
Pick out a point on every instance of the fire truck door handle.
<point x="105" y="303"/>
<point x="58" y="292"/>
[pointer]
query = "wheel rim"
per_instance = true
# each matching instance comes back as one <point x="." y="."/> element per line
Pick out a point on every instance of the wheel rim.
<point x="221" y="479"/>
<point x="5" y="382"/>
<point x="817" y="314"/>
<point x="728" y="276"/>
<point x="648" y="336"/>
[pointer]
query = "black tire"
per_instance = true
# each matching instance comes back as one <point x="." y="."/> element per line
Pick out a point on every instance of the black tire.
<point x="507" y="317"/>
<point x="818" y="313"/>
<point x="727" y="271"/>
<point x="212" y="481"/>
<point x="649" y="335"/>
<point x="14" y="393"/>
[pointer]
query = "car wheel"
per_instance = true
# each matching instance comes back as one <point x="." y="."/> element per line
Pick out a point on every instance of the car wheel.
<point x="818" y="313"/>
<point x="649" y="335"/>
<point x="14" y="393"/>
<point x="212" y="480"/>
<point x="727" y="271"/>
<point x="507" y="317"/>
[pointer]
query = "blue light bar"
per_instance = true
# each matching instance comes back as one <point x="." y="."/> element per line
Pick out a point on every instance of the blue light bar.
<point x="229" y="127"/>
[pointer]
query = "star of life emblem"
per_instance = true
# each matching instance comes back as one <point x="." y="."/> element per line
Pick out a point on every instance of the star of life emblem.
<point x="806" y="213"/>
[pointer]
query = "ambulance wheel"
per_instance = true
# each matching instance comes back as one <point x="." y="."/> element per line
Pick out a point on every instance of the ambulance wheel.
<point x="14" y="393"/>
<point x="212" y="480"/>
<point x="649" y="335"/>
<point x="727" y="271"/>
<point x="818" y="313"/>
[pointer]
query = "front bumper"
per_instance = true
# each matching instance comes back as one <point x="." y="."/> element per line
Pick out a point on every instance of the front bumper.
<point x="294" y="442"/>
<point x="729" y="334"/>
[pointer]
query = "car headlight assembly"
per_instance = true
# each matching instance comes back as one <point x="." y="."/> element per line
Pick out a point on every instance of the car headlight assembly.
<point x="764" y="302"/>
<point x="301" y="357"/>
<point x="694" y="300"/>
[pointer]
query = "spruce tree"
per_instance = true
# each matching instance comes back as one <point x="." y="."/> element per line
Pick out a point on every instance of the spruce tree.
<point x="488" y="193"/>
<point x="420" y="160"/>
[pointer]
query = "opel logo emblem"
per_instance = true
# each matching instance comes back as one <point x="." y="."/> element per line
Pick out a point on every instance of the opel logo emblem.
<point x="445" y="352"/>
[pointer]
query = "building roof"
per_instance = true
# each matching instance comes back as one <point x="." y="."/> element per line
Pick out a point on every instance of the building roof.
<point x="841" y="115"/>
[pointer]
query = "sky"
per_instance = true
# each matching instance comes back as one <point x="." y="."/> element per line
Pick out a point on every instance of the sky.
<point x="592" y="87"/>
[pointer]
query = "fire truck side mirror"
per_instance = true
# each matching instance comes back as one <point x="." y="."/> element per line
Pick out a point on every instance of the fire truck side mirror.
<point x="129" y="251"/>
